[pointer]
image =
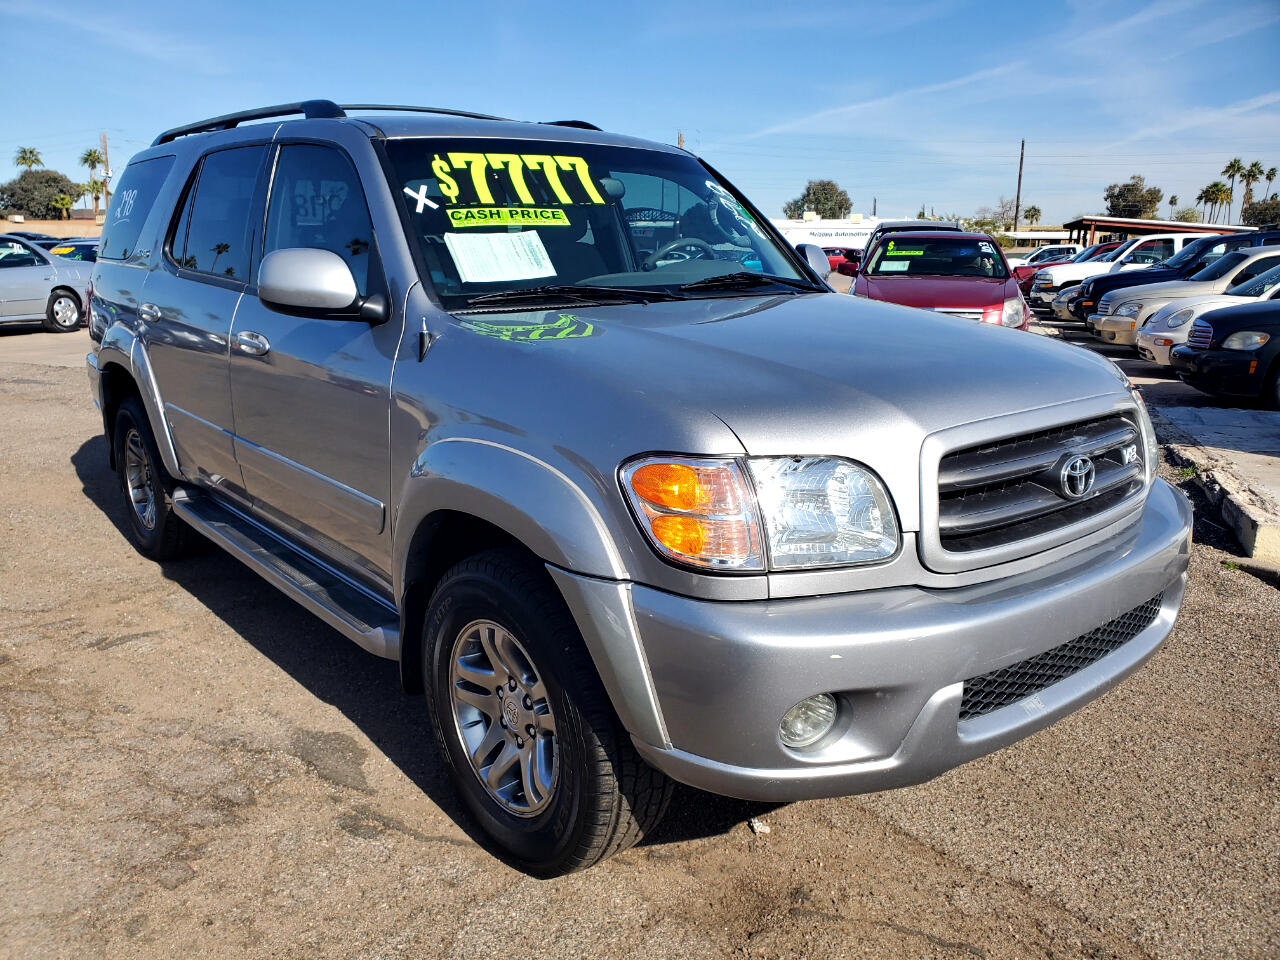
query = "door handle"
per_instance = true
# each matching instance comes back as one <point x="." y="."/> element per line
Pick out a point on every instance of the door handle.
<point x="254" y="344"/>
<point x="149" y="312"/>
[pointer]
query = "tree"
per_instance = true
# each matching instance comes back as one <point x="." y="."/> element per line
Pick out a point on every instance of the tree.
<point x="1270" y="175"/>
<point x="1187" y="215"/>
<point x="1233" y="169"/>
<point x="94" y="188"/>
<point x="1202" y="201"/>
<point x="1133" y="199"/>
<point x="92" y="158"/>
<point x="823" y="197"/>
<point x="1218" y="195"/>
<point x="1261" y="213"/>
<point x="1173" y="202"/>
<point x="62" y="202"/>
<point x="31" y="193"/>
<point x="1252" y="174"/>
<point x="1033" y="214"/>
<point x="27" y="157"/>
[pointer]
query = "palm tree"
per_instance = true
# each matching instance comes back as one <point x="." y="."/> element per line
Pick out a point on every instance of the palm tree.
<point x="1252" y="174"/>
<point x="92" y="158"/>
<point x="94" y="189"/>
<point x="1270" y="175"/>
<point x="63" y="204"/>
<point x="1033" y="214"/>
<point x="1173" y="202"/>
<point x="218" y="250"/>
<point x="1202" y="201"/>
<point x="28" y="157"/>
<point x="1232" y="170"/>
<point x="1219" y="197"/>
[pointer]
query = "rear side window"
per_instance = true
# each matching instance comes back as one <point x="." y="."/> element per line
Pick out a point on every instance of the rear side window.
<point x="214" y="235"/>
<point x="317" y="201"/>
<point x="131" y="201"/>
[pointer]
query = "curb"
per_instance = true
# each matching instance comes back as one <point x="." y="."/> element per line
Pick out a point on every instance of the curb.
<point x="1249" y="513"/>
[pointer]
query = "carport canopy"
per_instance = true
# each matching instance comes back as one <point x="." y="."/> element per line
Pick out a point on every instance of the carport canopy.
<point x="1092" y="229"/>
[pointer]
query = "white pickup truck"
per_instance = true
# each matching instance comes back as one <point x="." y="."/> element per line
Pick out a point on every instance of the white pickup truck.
<point x="1134" y="254"/>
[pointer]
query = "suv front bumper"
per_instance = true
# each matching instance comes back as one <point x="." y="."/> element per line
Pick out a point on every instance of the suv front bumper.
<point x="896" y="659"/>
<point x="1115" y="329"/>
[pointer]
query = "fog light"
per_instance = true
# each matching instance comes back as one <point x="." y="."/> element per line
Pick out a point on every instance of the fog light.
<point x="808" y="721"/>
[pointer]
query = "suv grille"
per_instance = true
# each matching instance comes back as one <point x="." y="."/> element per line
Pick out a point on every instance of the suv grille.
<point x="1201" y="334"/>
<point x="1021" y="487"/>
<point x="997" y="689"/>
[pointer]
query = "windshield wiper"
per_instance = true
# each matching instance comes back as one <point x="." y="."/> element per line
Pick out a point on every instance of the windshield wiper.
<point x="745" y="279"/>
<point x="579" y="293"/>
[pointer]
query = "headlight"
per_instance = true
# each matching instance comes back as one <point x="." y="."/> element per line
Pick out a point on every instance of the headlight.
<point x="812" y="511"/>
<point x="1181" y="317"/>
<point x="1150" y="445"/>
<point x="1245" y="340"/>
<point x="1130" y="309"/>
<point x="823" y="512"/>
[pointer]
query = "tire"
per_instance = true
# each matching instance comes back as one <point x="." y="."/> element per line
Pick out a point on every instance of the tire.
<point x="1271" y="392"/>
<point x="62" y="314"/>
<point x="145" y="487"/>
<point x="590" y="795"/>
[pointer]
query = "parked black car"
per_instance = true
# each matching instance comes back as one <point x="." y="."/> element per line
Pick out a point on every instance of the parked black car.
<point x="1191" y="259"/>
<point x="1234" y="352"/>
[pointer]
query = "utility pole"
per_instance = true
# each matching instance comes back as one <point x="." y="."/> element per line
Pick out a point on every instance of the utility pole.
<point x="680" y="139"/>
<point x="106" y="173"/>
<point x="1017" y="200"/>
<point x="873" y="206"/>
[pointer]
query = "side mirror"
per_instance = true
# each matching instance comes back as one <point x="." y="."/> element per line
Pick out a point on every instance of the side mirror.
<point x="314" y="282"/>
<point x="816" y="259"/>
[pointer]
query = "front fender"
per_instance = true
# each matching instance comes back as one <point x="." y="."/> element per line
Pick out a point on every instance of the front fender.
<point x="532" y="500"/>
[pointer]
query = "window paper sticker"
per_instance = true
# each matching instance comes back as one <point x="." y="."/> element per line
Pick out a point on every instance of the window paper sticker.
<point x="495" y="257"/>
<point x="986" y="247"/>
<point x="900" y="252"/>
<point x="892" y="266"/>
<point x="460" y="217"/>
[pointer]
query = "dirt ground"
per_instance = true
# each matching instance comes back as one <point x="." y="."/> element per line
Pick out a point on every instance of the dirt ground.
<point x="192" y="766"/>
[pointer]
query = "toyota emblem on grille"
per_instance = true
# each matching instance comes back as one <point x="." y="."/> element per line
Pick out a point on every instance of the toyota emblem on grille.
<point x="1076" y="477"/>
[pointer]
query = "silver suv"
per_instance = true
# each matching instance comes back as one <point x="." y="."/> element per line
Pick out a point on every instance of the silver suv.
<point x="556" y="419"/>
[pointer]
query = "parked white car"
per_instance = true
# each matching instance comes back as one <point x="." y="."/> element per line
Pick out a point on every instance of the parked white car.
<point x="1134" y="254"/>
<point x="1122" y="312"/>
<point x="1171" y="324"/>
<point x="1054" y="251"/>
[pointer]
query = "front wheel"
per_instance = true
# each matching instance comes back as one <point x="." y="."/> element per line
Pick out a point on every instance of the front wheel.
<point x="524" y="724"/>
<point x="62" y="314"/>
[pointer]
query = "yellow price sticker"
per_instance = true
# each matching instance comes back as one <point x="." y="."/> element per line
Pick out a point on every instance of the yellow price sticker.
<point x="904" y="253"/>
<point x="480" y="167"/>
<point x="61" y="250"/>
<point x="460" y="217"/>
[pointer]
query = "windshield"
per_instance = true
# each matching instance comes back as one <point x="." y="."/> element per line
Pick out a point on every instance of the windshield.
<point x="1117" y="252"/>
<point x="1220" y="267"/>
<point x="936" y="257"/>
<point x="1259" y="286"/>
<point x="1088" y="253"/>
<point x="497" y="217"/>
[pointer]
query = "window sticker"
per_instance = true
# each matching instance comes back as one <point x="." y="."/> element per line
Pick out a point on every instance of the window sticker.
<point x="495" y="257"/>
<point x="986" y="247"/>
<point x="467" y="179"/>
<point x="892" y="266"/>
<point x="736" y="210"/>
<point x="904" y="252"/>
<point x="460" y="217"/>
<point x="61" y="250"/>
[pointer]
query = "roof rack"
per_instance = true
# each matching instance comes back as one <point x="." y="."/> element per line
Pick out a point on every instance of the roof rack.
<point x="328" y="110"/>
<point x="579" y="124"/>
<point x="308" y="108"/>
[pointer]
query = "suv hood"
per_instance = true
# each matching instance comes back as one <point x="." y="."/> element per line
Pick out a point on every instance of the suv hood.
<point x="922" y="291"/>
<point x="797" y="374"/>
<point x="1175" y="290"/>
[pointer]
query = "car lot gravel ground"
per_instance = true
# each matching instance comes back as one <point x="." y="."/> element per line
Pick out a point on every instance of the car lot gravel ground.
<point x="190" y="765"/>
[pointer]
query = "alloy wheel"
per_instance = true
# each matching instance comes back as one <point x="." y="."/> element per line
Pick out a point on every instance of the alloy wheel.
<point x="140" y="479"/>
<point x="503" y="718"/>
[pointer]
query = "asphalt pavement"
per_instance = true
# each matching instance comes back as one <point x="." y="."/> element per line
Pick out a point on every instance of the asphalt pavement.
<point x="191" y="765"/>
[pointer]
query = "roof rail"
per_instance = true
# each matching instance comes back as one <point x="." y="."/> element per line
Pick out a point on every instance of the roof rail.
<point x="308" y="108"/>
<point x="579" y="124"/>
<point x="406" y="109"/>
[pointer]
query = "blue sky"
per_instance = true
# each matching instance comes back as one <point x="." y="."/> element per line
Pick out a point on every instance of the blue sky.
<point x="906" y="102"/>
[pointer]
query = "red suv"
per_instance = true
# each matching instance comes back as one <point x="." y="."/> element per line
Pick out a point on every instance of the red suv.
<point x="962" y="274"/>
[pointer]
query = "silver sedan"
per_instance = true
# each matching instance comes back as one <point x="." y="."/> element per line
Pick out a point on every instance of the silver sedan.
<point x="35" y="285"/>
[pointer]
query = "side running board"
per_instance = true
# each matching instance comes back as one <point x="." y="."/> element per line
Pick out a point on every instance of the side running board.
<point x="352" y="611"/>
